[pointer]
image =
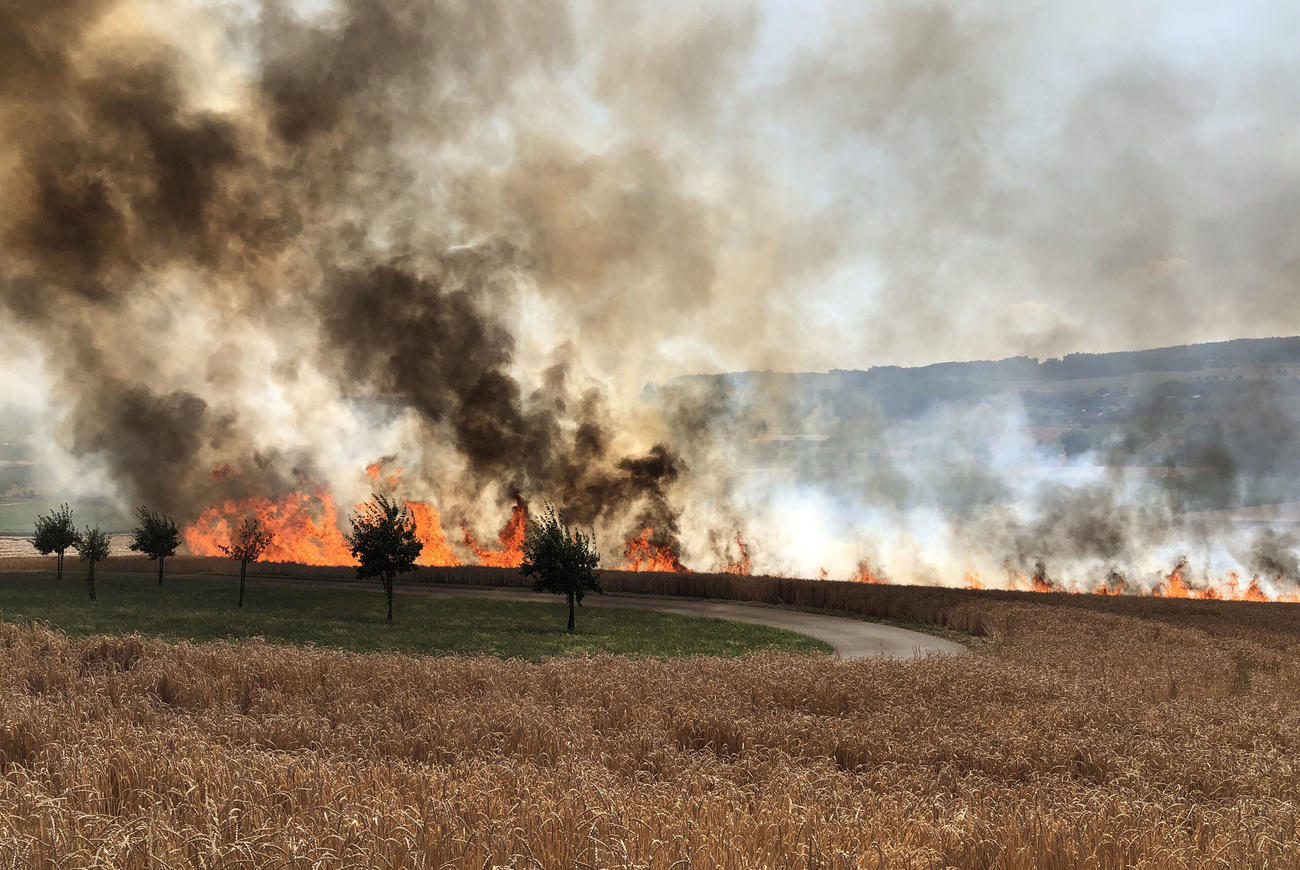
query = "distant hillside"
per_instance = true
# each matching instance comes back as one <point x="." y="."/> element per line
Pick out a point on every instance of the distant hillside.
<point x="1239" y="353"/>
<point x="908" y="392"/>
<point x="1224" y="415"/>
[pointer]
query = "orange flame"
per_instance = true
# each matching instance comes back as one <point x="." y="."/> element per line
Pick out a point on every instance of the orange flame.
<point x="1115" y="584"/>
<point x="428" y="531"/>
<point x="741" y="565"/>
<point x="305" y="528"/>
<point x="305" y="525"/>
<point x="1227" y="589"/>
<point x="1253" y="592"/>
<point x="1175" y="586"/>
<point x="376" y="468"/>
<point x="642" y="555"/>
<point x="1038" y="582"/>
<point x="511" y="554"/>
<point x="864" y="574"/>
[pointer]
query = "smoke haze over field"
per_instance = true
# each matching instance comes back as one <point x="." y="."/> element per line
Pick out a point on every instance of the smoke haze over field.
<point x="249" y="249"/>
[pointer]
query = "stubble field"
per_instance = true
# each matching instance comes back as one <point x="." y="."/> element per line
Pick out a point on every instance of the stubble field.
<point x="1162" y="736"/>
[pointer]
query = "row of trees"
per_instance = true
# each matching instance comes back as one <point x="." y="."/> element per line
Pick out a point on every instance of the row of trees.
<point x="383" y="539"/>
<point x="157" y="537"/>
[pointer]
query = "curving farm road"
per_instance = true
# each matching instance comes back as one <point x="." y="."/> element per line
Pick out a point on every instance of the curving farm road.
<point x="851" y="638"/>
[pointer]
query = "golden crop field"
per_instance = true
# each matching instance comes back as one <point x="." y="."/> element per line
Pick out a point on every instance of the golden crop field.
<point x="1075" y="737"/>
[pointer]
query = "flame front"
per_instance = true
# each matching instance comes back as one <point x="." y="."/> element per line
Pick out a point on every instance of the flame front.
<point x="741" y="565"/>
<point x="305" y="527"/>
<point x="305" y="524"/>
<point x="1175" y="584"/>
<point x="428" y="531"/>
<point x="641" y="554"/>
<point x="865" y="574"/>
<point x="511" y="554"/>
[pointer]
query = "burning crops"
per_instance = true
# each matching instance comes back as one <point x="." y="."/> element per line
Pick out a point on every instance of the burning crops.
<point x="307" y="532"/>
<point x="1075" y="737"/>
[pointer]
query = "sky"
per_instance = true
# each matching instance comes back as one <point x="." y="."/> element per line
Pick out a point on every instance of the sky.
<point x="890" y="183"/>
<point x="1026" y="178"/>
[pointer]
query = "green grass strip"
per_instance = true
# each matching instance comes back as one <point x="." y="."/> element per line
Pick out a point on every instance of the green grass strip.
<point x="203" y="608"/>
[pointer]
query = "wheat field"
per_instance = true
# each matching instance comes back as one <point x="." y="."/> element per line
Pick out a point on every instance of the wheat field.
<point x="1074" y="737"/>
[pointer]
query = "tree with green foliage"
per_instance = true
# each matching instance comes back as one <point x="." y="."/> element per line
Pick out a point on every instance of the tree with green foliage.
<point x="249" y="543"/>
<point x="384" y="542"/>
<point x="560" y="560"/>
<point x="92" y="544"/>
<point x="157" y="537"/>
<point x="55" y="533"/>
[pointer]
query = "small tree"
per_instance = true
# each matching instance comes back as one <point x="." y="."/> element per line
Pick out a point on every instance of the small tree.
<point x="247" y="546"/>
<point x="384" y="542"/>
<point x="92" y="544"/>
<point x="55" y="533"/>
<point x="560" y="560"/>
<point x="156" y="536"/>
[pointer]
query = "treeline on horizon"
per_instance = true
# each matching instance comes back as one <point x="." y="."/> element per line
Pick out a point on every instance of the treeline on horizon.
<point x="1013" y="370"/>
<point x="906" y="392"/>
<point x="1238" y="353"/>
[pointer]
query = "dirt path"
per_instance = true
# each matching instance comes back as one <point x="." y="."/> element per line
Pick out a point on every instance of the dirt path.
<point x="851" y="638"/>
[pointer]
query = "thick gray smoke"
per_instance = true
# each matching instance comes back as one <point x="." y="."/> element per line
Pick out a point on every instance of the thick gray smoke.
<point x="1075" y="472"/>
<point x="260" y="246"/>
<point x="313" y="218"/>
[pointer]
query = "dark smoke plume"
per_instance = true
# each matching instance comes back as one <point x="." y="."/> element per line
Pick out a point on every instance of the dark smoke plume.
<point x="122" y="177"/>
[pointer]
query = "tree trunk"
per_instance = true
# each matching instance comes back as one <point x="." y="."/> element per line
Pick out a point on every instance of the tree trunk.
<point x="161" y="559"/>
<point x="570" y="612"/>
<point x="243" y="570"/>
<point x="388" y="587"/>
<point x="60" y="576"/>
<point x="90" y="579"/>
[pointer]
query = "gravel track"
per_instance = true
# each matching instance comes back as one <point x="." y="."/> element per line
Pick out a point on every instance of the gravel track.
<point x="851" y="638"/>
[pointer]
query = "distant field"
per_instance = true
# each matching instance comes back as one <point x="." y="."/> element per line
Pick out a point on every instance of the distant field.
<point x="17" y="516"/>
<point x="1089" y="733"/>
<point x="203" y="608"/>
<point x="19" y="546"/>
